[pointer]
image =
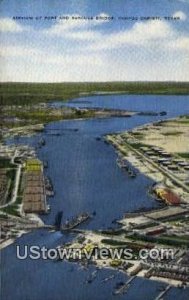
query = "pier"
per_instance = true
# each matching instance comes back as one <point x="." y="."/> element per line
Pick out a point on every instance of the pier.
<point x="160" y="296"/>
<point x="34" y="195"/>
<point x="123" y="288"/>
<point x="123" y="164"/>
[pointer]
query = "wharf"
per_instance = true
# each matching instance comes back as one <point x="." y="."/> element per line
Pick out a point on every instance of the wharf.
<point x="34" y="195"/>
<point x="160" y="296"/>
<point x="124" y="165"/>
<point x="124" y="288"/>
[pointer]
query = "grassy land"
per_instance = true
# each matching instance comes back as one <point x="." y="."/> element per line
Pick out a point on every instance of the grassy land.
<point x="33" y="116"/>
<point x="113" y="242"/>
<point x="13" y="209"/>
<point x="184" y="155"/>
<point x="26" y="93"/>
<point x="137" y="146"/>
<point x="138" y="135"/>
<point x="165" y="240"/>
<point x="172" y="133"/>
<point x="183" y="120"/>
<point x="5" y="163"/>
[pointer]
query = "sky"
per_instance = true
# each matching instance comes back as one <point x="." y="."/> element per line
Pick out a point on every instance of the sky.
<point x="116" y="43"/>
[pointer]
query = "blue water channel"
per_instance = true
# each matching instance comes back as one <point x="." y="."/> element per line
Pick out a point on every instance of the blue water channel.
<point x="86" y="178"/>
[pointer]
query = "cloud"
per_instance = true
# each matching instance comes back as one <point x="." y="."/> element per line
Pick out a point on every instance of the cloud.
<point x="19" y="51"/>
<point x="181" y="44"/>
<point x="47" y="58"/>
<point x="83" y="50"/>
<point x="79" y="60"/>
<point x="141" y="34"/>
<point x="78" y="29"/>
<point x="184" y="1"/>
<point x="83" y="35"/>
<point x="9" y="25"/>
<point x="75" y="23"/>
<point x="180" y="14"/>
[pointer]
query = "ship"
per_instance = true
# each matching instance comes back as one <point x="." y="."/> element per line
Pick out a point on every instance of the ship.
<point x="108" y="278"/>
<point x="106" y="142"/>
<point x="75" y="221"/>
<point x="58" y="220"/>
<point x="48" y="208"/>
<point x="41" y="142"/>
<point x="45" y="164"/>
<point x="49" y="187"/>
<point x="91" y="277"/>
<point x="122" y="163"/>
<point x="163" y="113"/>
<point x="131" y="173"/>
<point x="148" y="113"/>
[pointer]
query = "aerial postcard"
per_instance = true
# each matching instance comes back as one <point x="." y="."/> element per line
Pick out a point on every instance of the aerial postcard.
<point x="94" y="149"/>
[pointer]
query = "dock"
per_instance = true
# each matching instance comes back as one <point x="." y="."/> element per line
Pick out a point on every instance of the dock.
<point x="123" y="164"/>
<point x="123" y="288"/>
<point x="160" y="296"/>
<point x="34" y="194"/>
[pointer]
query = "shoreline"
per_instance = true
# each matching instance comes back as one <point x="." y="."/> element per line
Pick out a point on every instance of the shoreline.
<point x="124" y="143"/>
<point x="134" y="270"/>
<point x="130" y="158"/>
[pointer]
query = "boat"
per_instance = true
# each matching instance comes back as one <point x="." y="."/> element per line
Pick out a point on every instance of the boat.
<point x="49" y="187"/>
<point x="122" y="163"/>
<point x="131" y="173"/>
<point x="161" y="288"/>
<point x="75" y="221"/>
<point x="163" y="113"/>
<point x="45" y="164"/>
<point x="147" y="113"/>
<point x="42" y="142"/>
<point x="108" y="278"/>
<point x="106" y="142"/>
<point x="58" y="220"/>
<point x="91" y="277"/>
<point x="54" y="134"/>
<point x="48" y="208"/>
<point x="114" y="221"/>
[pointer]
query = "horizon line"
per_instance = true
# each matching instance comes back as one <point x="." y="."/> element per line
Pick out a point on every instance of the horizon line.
<point x="108" y="81"/>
